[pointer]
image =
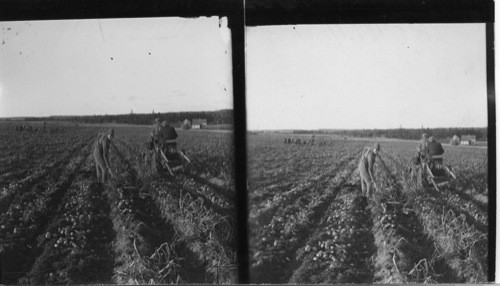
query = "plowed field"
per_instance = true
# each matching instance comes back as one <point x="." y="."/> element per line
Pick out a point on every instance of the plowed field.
<point x="58" y="225"/>
<point x="309" y="222"/>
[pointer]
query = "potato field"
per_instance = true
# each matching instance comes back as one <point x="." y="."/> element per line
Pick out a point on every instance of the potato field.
<point x="309" y="222"/>
<point x="59" y="226"/>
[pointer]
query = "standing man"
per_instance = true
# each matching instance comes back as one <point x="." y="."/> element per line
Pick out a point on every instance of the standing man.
<point x="155" y="131"/>
<point x="422" y="148"/>
<point x="101" y="151"/>
<point x="365" y="167"/>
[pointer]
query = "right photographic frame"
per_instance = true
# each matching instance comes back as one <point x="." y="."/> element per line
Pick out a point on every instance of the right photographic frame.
<point x="369" y="153"/>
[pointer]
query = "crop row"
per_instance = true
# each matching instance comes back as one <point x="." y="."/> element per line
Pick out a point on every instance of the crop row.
<point x="203" y="253"/>
<point x="207" y="233"/>
<point x="144" y="248"/>
<point x="211" y="153"/>
<point x="286" y="182"/>
<point x="464" y="247"/>
<point x="218" y="191"/>
<point x="458" y="243"/>
<point x="287" y="194"/>
<point x="456" y="195"/>
<point x="55" y="161"/>
<point x="274" y="244"/>
<point x="271" y="162"/>
<point x="34" y="150"/>
<point x="76" y="242"/>
<point x="403" y="253"/>
<point x="340" y="250"/>
<point x="29" y="209"/>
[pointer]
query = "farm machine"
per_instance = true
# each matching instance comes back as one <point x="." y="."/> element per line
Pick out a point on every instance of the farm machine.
<point x="168" y="158"/>
<point x="436" y="172"/>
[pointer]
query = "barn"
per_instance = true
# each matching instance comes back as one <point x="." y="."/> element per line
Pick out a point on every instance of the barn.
<point x="468" y="140"/>
<point x="199" y="124"/>
<point x="186" y="124"/>
<point x="455" y="140"/>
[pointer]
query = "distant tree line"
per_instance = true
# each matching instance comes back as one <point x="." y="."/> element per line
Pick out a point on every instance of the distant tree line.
<point x="415" y="134"/>
<point x="213" y="117"/>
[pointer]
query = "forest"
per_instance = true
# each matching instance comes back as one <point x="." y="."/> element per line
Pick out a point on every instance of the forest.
<point x="444" y="134"/>
<point x="415" y="134"/>
<point x="224" y="116"/>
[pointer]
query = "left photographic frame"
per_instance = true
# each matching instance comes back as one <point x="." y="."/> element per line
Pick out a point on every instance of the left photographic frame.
<point x="119" y="154"/>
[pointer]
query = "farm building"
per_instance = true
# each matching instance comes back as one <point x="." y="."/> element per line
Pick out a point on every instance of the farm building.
<point x="199" y="124"/>
<point x="186" y="124"/>
<point x="455" y="140"/>
<point x="468" y="140"/>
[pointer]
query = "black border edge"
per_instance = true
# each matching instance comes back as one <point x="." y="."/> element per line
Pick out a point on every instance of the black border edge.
<point x="14" y="10"/>
<point x="279" y="12"/>
<point x="237" y="26"/>
<point x="492" y="179"/>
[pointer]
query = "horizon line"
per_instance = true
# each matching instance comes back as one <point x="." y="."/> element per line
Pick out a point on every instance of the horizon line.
<point x="69" y="115"/>
<point x="377" y="128"/>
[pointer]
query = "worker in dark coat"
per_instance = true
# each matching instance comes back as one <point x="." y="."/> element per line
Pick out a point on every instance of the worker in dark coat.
<point x="434" y="147"/>
<point x="168" y="137"/>
<point x="167" y="132"/>
<point x="101" y="154"/>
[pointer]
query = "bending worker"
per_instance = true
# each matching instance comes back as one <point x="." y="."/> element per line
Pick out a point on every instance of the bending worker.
<point x="101" y="151"/>
<point x="365" y="167"/>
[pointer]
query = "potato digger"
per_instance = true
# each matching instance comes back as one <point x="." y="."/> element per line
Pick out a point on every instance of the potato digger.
<point x="434" y="171"/>
<point x="167" y="158"/>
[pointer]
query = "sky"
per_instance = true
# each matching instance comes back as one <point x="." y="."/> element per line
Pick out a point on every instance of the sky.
<point x="366" y="76"/>
<point x="114" y="66"/>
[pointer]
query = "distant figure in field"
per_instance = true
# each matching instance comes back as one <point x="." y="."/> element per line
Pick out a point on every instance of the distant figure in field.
<point x="366" y="164"/>
<point x="101" y="154"/>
